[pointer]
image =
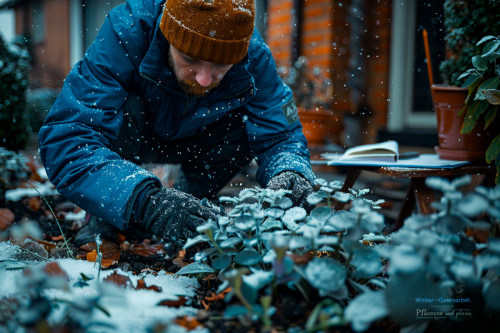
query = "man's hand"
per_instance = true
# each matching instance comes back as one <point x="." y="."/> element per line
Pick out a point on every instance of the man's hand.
<point x="174" y="215"/>
<point x="299" y="186"/>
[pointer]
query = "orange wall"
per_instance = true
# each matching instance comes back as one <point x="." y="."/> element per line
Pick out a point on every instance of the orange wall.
<point x="50" y="58"/>
<point x="279" y="35"/>
<point x="326" y="43"/>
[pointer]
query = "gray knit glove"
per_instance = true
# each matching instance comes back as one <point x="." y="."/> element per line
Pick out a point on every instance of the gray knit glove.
<point x="174" y="215"/>
<point x="300" y="187"/>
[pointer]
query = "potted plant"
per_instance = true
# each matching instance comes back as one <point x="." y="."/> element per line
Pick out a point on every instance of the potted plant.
<point x="482" y="82"/>
<point x="313" y="93"/>
<point x="466" y="23"/>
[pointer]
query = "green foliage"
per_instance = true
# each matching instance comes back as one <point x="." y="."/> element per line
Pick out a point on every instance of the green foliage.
<point x="466" y="22"/>
<point x="482" y="82"/>
<point x="14" y="70"/>
<point x="343" y="263"/>
<point x="12" y="169"/>
<point x="38" y="104"/>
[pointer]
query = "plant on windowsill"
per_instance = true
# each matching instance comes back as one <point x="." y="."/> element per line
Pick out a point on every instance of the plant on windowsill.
<point x="313" y="93"/>
<point x="466" y="23"/>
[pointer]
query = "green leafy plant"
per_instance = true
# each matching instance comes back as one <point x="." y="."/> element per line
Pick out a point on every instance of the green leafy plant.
<point x="466" y="22"/>
<point x="14" y="80"/>
<point x="265" y="244"/>
<point x="38" y="104"/>
<point x="12" y="169"/>
<point x="482" y="82"/>
<point x="345" y="268"/>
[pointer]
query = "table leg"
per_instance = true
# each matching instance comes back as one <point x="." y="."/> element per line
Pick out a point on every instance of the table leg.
<point x="424" y="196"/>
<point x="350" y="179"/>
<point x="418" y="193"/>
<point x="407" y="207"/>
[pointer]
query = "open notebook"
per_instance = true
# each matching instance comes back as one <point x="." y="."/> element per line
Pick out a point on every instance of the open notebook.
<point x="386" y="154"/>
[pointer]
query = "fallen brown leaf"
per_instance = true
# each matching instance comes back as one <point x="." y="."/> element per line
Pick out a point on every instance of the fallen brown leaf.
<point x="215" y="297"/>
<point x="57" y="238"/>
<point x="6" y="218"/>
<point x="48" y="245"/>
<point x="34" y="203"/>
<point x="121" y="238"/>
<point x="188" y="322"/>
<point x="109" y="250"/>
<point x="33" y="166"/>
<point x="53" y="269"/>
<point x="141" y="284"/>
<point x="148" y="250"/>
<point x="105" y="262"/>
<point x="119" y="279"/>
<point x="174" y="303"/>
<point x="34" y="250"/>
<point x="180" y="262"/>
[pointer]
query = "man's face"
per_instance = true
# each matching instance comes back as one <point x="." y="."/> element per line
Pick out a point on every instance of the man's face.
<point x="196" y="77"/>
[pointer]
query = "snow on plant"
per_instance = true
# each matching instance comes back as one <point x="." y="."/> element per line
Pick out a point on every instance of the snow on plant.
<point x="46" y="300"/>
<point x="256" y="247"/>
<point x="342" y="258"/>
<point x="12" y="168"/>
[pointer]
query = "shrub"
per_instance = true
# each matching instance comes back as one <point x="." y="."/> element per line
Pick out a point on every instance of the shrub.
<point x="14" y="71"/>
<point x="466" y="22"/>
<point x="39" y="102"/>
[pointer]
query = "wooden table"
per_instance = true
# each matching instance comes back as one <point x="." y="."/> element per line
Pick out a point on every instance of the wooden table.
<point x="418" y="193"/>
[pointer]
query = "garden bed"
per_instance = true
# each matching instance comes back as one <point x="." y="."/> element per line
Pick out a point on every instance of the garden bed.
<point x="265" y="266"/>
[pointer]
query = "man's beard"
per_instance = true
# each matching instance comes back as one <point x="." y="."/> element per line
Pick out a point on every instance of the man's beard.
<point x="192" y="88"/>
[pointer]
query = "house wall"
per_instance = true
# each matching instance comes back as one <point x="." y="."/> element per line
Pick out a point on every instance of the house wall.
<point x="279" y="31"/>
<point x="350" y="41"/>
<point x="50" y="56"/>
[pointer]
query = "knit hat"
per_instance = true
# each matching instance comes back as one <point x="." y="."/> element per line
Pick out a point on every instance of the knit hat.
<point x="217" y="31"/>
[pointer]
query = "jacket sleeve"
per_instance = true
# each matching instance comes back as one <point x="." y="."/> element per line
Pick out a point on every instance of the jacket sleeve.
<point x="274" y="129"/>
<point x="75" y="138"/>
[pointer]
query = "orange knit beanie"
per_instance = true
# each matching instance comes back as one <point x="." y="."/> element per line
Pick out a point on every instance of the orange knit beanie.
<point x="217" y="31"/>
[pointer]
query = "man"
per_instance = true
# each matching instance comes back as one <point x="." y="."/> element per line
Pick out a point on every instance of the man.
<point x="187" y="82"/>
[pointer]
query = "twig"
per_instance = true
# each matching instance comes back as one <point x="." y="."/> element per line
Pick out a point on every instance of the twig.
<point x="70" y="252"/>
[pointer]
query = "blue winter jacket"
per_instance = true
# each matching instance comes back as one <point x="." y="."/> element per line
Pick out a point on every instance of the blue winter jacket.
<point x="129" y="55"/>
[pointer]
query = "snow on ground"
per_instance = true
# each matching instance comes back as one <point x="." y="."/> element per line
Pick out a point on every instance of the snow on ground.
<point x="131" y="310"/>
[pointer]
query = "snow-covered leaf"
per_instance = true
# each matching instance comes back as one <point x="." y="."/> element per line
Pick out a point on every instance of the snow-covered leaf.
<point x="270" y="224"/>
<point x="325" y="274"/>
<point x="284" y="203"/>
<point x="274" y="212"/>
<point x="367" y="263"/>
<point x="196" y="268"/>
<point x="295" y="214"/>
<point x="321" y="213"/>
<point x="258" y="279"/>
<point x="221" y="262"/>
<point x="316" y="197"/>
<point x="244" y="222"/>
<point x="342" y="220"/>
<point x="366" y="308"/>
<point x="247" y="258"/>
<point x="405" y="259"/>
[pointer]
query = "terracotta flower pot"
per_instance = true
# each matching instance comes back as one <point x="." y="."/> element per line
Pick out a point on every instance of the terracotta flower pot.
<point x="448" y="101"/>
<point x="320" y="125"/>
